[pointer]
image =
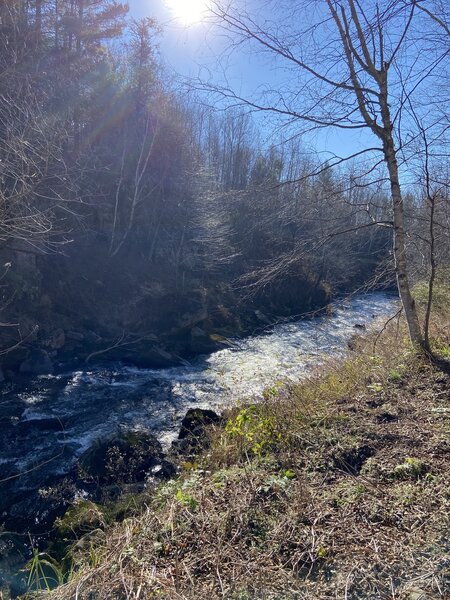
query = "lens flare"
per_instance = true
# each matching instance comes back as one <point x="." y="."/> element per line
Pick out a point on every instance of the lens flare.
<point x="188" y="11"/>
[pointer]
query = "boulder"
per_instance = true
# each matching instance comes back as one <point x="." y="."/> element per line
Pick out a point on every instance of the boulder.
<point x="195" y="421"/>
<point x="37" y="363"/>
<point x="201" y="342"/>
<point x="126" y="458"/>
<point x="193" y="437"/>
<point x="56" y="340"/>
<point x="75" y="336"/>
<point x="35" y="510"/>
<point x="262" y="317"/>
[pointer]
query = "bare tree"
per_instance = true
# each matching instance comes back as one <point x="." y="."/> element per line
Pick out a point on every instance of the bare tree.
<point x="355" y="66"/>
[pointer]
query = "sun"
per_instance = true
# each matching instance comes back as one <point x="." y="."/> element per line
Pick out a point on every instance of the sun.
<point x="188" y="11"/>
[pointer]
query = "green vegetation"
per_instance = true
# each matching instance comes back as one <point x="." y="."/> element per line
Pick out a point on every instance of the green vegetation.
<point x="252" y="430"/>
<point x="44" y="572"/>
<point x="441" y="291"/>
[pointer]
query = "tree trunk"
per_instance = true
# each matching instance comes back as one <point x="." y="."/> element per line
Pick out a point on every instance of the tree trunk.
<point x="38" y="23"/>
<point x="433" y="266"/>
<point x="400" y="258"/>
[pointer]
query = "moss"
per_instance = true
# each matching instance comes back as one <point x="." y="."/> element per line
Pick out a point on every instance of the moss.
<point x="80" y="518"/>
<point x="411" y="468"/>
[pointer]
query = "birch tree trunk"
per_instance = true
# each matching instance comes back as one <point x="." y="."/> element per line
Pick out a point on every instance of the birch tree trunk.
<point x="401" y="263"/>
<point x="400" y="258"/>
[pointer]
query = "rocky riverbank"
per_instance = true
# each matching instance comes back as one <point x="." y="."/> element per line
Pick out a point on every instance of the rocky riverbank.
<point x="91" y="435"/>
<point x="64" y="507"/>
<point x="337" y="486"/>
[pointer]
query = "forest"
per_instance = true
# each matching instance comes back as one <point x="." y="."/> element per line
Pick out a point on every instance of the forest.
<point x="133" y="213"/>
<point x="156" y="227"/>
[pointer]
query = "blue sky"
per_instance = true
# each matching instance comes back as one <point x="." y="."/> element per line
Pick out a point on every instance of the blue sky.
<point x="200" y="49"/>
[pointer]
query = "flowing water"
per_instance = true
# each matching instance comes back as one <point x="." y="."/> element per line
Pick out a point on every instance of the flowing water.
<point x="53" y="421"/>
<point x="48" y="424"/>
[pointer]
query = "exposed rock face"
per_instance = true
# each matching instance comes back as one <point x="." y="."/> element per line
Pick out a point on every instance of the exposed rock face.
<point x="37" y="363"/>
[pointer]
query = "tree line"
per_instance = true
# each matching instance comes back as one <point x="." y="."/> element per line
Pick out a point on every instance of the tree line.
<point x="125" y="206"/>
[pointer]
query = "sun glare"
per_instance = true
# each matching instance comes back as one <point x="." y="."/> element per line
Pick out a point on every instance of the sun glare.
<point x="188" y="11"/>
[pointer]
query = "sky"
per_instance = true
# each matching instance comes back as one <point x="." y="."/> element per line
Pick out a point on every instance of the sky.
<point x="191" y="49"/>
<point x="199" y="50"/>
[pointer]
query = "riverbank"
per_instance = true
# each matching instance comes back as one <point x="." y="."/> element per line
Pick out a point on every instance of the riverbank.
<point x="61" y="318"/>
<point x="49" y="426"/>
<point x="335" y="487"/>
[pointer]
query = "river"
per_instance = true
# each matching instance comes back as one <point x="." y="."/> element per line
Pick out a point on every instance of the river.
<point x="49" y="423"/>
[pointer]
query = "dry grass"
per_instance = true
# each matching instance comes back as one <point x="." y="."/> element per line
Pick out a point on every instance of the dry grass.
<point x="336" y="488"/>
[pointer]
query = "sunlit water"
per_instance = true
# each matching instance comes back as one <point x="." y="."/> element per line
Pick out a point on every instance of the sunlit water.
<point x="60" y="416"/>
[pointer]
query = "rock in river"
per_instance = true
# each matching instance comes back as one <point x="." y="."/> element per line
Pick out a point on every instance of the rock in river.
<point x="37" y="363"/>
<point x="193" y="432"/>
<point x="125" y="458"/>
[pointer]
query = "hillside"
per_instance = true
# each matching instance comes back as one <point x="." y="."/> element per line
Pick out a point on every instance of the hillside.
<point x="337" y="487"/>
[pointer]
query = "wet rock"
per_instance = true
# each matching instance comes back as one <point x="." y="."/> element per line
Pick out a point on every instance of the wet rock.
<point x="75" y="336"/>
<point x="35" y="510"/>
<point x="56" y="340"/>
<point x="125" y="458"/>
<point x="37" y="363"/>
<point x="165" y="470"/>
<point x="154" y="357"/>
<point x="195" y="421"/>
<point x="359" y="326"/>
<point x="201" y="342"/>
<point x="221" y="340"/>
<point x="182" y="447"/>
<point x="193" y="438"/>
<point x="2" y="376"/>
<point x="262" y="317"/>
